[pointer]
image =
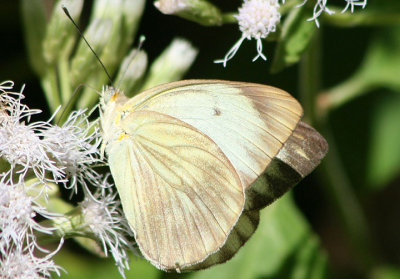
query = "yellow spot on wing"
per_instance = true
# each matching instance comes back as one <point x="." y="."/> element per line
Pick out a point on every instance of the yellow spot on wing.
<point x="122" y="136"/>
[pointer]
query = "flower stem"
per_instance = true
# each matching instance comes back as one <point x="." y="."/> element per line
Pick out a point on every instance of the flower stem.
<point x="66" y="226"/>
<point x="229" y="18"/>
<point x="50" y="87"/>
<point x="337" y="185"/>
<point x="65" y="81"/>
<point x="340" y="191"/>
<point x="341" y="94"/>
<point x="309" y="78"/>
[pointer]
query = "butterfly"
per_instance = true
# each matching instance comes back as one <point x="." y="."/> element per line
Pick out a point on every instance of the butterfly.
<point x="194" y="161"/>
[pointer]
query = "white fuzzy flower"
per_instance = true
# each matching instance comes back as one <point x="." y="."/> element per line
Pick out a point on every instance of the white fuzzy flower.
<point x="75" y="148"/>
<point x="22" y="263"/>
<point x="104" y="219"/>
<point x="17" y="213"/>
<point x="20" y="141"/>
<point x="257" y="18"/>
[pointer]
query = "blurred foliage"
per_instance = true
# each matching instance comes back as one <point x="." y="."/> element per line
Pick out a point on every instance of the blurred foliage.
<point x="345" y="223"/>
<point x="283" y="246"/>
<point x="296" y="35"/>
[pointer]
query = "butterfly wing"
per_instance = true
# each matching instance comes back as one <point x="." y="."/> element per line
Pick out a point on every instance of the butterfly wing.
<point x="301" y="153"/>
<point x="249" y="122"/>
<point x="244" y="125"/>
<point x="179" y="192"/>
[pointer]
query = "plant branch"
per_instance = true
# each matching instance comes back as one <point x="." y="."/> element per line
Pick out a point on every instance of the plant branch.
<point x="338" y="187"/>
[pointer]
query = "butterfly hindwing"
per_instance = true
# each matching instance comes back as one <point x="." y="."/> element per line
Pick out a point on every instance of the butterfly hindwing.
<point x="179" y="192"/>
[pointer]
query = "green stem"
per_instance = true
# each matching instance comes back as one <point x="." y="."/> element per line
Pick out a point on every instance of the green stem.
<point x="67" y="226"/>
<point x="340" y="192"/>
<point x="341" y="94"/>
<point x="309" y="78"/>
<point x="362" y="18"/>
<point x="338" y="187"/>
<point x="56" y="235"/>
<point x="50" y="87"/>
<point x="65" y="90"/>
<point x="229" y="18"/>
<point x="63" y="71"/>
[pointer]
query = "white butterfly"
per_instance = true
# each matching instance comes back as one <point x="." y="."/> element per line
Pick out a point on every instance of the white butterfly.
<point x="185" y="157"/>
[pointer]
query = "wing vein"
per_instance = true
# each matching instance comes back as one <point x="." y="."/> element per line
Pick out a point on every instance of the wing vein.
<point x="141" y="205"/>
<point x="197" y="182"/>
<point x="215" y="176"/>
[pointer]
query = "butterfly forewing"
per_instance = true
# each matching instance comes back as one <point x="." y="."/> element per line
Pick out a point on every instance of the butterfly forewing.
<point x="179" y="192"/>
<point x="249" y="122"/>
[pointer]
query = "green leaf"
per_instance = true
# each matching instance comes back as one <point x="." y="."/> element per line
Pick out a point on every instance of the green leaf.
<point x="382" y="63"/>
<point x="380" y="68"/>
<point x="386" y="272"/>
<point x="296" y="35"/>
<point x="34" y="20"/>
<point x="384" y="154"/>
<point x="282" y="247"/>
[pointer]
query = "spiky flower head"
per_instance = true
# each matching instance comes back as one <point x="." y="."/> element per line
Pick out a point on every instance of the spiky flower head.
<point x="256" y="18"/>
<point x="103" y="217"/>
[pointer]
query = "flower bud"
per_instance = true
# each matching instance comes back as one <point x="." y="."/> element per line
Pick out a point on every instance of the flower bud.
<point x="84" y="62"/>
<point x="172" y="64"/>
<point x="132" y="71"/>
<point x="199" y="11"/>
<point x="132" y="11"/>
<point x="61" y="33"/>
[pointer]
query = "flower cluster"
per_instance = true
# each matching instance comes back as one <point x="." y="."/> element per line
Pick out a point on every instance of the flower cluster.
<point x="35" y="159"/>
<point x="20" y="143"/>
<point x="102" y="216"/>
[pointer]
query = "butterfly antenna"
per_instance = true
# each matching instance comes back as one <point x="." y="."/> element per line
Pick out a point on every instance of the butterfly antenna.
<point x="83" y="37"/>
<point x="140" y="45"/>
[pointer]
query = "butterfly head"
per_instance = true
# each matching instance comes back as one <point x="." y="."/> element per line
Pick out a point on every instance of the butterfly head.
<point x="108" y="94"/>
<point x="111" y="101"/>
